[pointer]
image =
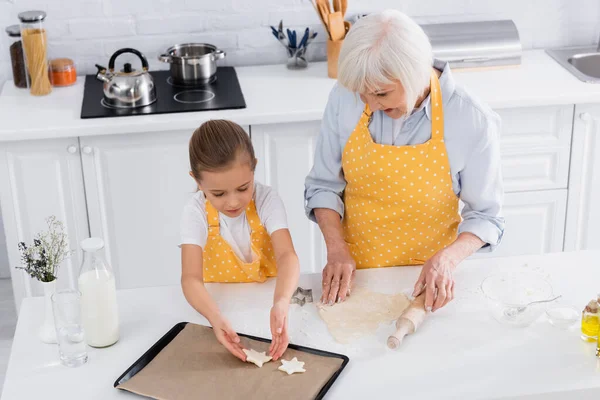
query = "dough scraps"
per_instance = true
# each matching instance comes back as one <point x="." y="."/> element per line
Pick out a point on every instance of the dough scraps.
<point x="253" y="356"/>
<point x="292" y="366"/>
<point x="361" y="313"/>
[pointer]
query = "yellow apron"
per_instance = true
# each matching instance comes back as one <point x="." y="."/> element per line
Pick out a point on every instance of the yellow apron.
<point x="400" y="206"/>
<point x="221" y="264"/>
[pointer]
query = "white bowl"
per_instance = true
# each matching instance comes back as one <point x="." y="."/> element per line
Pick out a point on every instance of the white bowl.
<point x="506" y="292"/>
<point x="563" y="316"/>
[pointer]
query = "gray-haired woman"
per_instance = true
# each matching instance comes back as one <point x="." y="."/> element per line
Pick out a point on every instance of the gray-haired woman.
<point x="400" y="144"/>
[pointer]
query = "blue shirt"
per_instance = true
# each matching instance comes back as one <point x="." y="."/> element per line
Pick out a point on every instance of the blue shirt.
<point x="471" y="135"/>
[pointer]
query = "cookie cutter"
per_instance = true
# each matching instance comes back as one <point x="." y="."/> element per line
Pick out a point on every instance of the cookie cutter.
<point x="302" y="296"/>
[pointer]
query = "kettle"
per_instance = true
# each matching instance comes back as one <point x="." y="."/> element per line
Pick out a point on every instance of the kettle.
<point x="127" y="88"/>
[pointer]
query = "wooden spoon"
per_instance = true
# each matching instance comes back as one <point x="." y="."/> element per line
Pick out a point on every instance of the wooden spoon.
<point x="337" y="5"/>
<point x="336" y="26"/>
<point x="325" y="16"/>
<point x="323" y="21"/>
<point x="344" y="7"/>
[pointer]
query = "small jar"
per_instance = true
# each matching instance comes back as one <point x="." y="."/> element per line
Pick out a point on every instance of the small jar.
<point x="35" y="44"/>
<point x="589" y="322"/>
<point x="17" y="57"/>
<point x="62" y="72"/>
<point x="598" y="346"/>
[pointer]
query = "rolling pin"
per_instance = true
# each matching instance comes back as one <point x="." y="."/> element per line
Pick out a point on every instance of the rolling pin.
<point x="409" y="321"/>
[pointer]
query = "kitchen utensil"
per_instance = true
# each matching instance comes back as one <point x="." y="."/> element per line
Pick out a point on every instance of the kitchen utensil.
<point x="506" y="293"/>
<point x="292" y="38"/>
<point x="409" y="321"/>
<point x="324" y="16"/>
<point x="344" y="7"/>
<point x="513" y="312"/>
<point x="194" y="347"/>
<point x="562" y="316"/>
<point x="327" y="5"/>
<point x="280" y="31"/>
<point x="311" y="37"/>
<point x="192" y="63"/>
<point x="318" y="11"/>
<point x="337" y="5"/>
<point x="297" y="58"/>
<point x="347" y="26"/>
<point x="336" y="26"/>
<point x="304" y="38"/>
<point x="127" y="88"/>
<point x="333" y="55"/>
<point x="302" y="296"/>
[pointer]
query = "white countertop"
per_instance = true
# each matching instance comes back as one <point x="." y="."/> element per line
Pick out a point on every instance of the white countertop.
<point x="275" y="94"/>
<point x="459" y="352"/>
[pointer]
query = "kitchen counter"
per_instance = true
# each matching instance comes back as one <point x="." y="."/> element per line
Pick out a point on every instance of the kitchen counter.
<point x="275" y="94"/>
<point x="459" y="352"/>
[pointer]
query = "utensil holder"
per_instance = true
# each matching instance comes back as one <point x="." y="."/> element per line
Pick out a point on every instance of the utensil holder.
<point x="297" y="58"/>
<point x="333" y="55"/>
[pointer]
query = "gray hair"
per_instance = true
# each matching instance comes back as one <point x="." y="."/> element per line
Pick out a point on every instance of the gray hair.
<point x="384" y="47"/>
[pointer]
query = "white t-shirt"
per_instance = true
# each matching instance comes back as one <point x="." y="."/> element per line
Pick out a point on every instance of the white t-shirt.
<point x="236" y="231"/>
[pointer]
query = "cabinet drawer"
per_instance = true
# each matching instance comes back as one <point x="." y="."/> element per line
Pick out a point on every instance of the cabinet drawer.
<point x="536" y="127"/>
<point x="526" y="170"/>
<point x="535" y="223"/>
<point x="535" y="147"/>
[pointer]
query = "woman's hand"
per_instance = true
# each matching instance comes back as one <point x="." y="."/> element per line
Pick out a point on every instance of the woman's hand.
<point x="228" y="338"/>
<point x="338" y="275"/>
<point x="436" y="275"/>
<point x="279" y="330"/>
<point x="436" y="278"/>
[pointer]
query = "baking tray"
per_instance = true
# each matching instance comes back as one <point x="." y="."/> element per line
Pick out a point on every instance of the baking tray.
<point x="174" y="331"/>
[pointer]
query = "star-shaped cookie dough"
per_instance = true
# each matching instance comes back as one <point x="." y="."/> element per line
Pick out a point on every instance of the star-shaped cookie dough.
<point x="253" y="356"/>
<point x="292" y="366"/>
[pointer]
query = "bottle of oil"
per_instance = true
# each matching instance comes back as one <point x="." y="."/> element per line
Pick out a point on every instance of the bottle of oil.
<point x="589" y="321"/>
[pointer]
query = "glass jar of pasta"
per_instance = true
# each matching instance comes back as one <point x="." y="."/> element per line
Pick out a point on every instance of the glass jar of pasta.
<point x="33" y="36"/>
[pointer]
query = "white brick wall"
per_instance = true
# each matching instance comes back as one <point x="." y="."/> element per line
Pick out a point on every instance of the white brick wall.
<point x="89" y="31"/>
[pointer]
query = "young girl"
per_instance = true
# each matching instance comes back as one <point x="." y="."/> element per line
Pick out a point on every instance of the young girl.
<point x="234" y="230"/>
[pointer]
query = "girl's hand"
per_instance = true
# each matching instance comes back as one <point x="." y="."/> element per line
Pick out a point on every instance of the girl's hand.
<point x="279" y="330"/>
<point x="436" y="278"/>
<point x="228" y="338"/>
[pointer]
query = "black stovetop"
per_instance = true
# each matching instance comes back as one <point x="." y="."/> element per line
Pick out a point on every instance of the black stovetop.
<point x="221" y="93"/>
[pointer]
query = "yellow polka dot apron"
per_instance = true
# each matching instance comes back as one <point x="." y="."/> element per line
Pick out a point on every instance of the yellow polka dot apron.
<point x="400" y="208"/>
<point x="222" y="264"/>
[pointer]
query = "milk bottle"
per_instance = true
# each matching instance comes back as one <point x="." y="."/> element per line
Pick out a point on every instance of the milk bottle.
<point x="98" y="296"/>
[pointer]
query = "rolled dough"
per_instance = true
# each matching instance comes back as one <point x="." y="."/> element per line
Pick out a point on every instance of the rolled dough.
<point x="361" y="313"/>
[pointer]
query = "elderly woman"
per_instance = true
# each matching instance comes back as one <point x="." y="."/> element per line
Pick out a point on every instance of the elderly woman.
<point x="400" y="144"/>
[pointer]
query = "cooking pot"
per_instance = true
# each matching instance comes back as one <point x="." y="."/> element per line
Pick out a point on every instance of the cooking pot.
<point x="192" y="63"/>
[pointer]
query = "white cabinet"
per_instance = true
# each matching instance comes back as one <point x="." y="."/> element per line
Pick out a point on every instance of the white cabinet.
<point x="39" y="179"/>
<point x="130" y="189"/>
<point x="285" y="156"/>
<point x="583" y="213"/>
<point x="535" y="223"/>
<point x="535" y="147"/>
<point x="136" y="187"/>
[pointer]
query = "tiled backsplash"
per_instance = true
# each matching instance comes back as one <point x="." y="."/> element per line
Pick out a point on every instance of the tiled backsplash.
<point x="89" y="31"/>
